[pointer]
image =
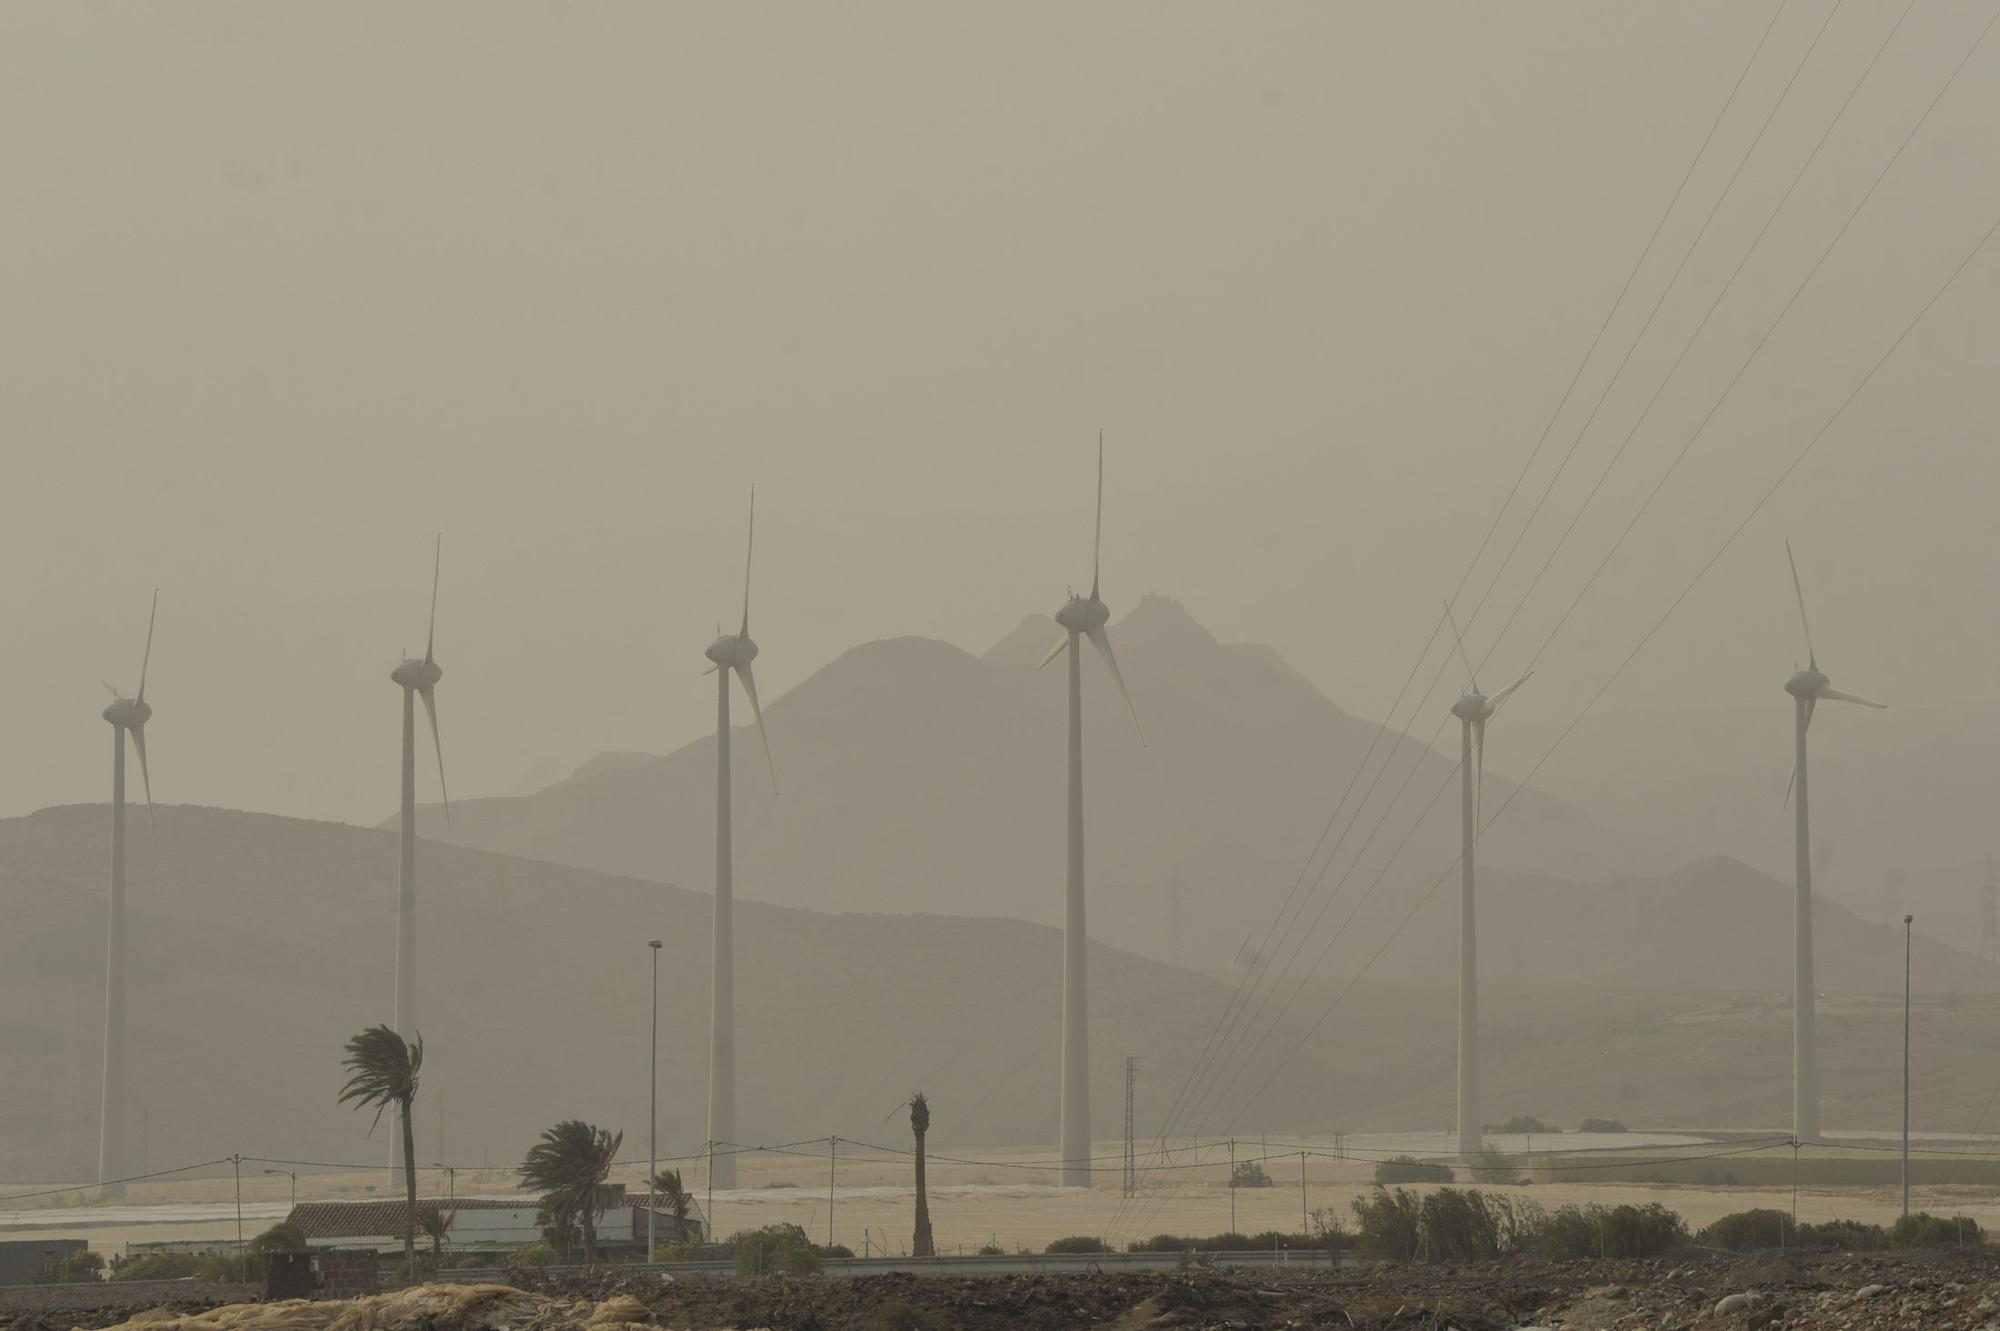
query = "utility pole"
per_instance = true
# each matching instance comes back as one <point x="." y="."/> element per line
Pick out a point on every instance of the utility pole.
<point x="236" y="1167"/>
<point x="1304" y="1224"/>
<point x="832" y="1161"/>
<point x="1907" y="919"/>
<point x="1232" y="1185"/>
<point x="1177" y="916"/>
<point x="1989" y="917"/>
<point x="653" y="1119"/>
<point x="711" y="1190"/>
<point x="1131" y="1144"/>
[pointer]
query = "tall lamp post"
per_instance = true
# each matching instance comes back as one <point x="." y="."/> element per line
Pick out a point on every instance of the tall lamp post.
<point x="295" y="1183"/>
<point x="653" y="1120"/>
<point x="1906" y="1063"/>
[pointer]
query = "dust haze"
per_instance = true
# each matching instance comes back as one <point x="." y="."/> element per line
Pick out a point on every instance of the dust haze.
<point x="292" y="288"/>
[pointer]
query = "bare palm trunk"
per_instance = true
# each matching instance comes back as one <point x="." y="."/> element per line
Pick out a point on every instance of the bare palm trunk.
<point x="409" y="1192"/>
<point x="589" y="1235"/>
<point x="920" y="1244"/>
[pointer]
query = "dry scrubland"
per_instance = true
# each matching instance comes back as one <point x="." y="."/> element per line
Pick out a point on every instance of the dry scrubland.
<point x="1008" y="1198"/>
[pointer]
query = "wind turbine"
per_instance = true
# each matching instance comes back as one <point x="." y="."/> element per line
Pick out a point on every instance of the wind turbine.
<point x="729" y="652"/>
<point x="128" y="716"/>
<point x="1808" y="688"/>
<point x="1081" y="617"/>
<point x="1473" y="709"/>
<point x="418" y="679"/>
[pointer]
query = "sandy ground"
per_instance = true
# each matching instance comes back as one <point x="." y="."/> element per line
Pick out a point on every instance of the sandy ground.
<point x="1001" y="1196"/>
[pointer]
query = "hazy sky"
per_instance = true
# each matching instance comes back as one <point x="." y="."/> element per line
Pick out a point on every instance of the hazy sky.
<point x="290" y="287"/>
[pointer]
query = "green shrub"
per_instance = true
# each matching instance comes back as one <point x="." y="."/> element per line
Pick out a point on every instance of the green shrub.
<point x="775" y="1250"/>
<point x="1491" y="1166"/>
<point x="533" y="1254"/>
<point x="78" y="1268"/>
<point x="1387" y="1224"/>
<point x="1612" y="1231"/>
<point x="1524" y="1123"/>
<point x="1746" y="1231"/>
<point x="1924" y="1230"/>
<point x="1249" y="1174"/>
<point x="1078" y="1243"/>
<point x="1409" y="1169"/>
<point x="992" y="1250"/>
<point x="156" y="1266"/>
<point x="1601" y="1125"/>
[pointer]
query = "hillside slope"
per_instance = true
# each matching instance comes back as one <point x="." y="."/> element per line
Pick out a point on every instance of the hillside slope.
<point x="917" y="777"/>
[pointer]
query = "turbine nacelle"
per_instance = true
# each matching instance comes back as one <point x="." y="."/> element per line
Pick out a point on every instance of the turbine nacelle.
<point x="417" y="675"/>
<point x="129" y="713"/>
<point x="732" y="651"/>
<point x="1083" y="614"/>
<point x="1474" y="707"/>
<point x="1809" y="684"/>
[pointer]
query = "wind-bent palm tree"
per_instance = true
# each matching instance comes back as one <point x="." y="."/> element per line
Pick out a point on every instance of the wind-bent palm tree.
<point x="436" y="1223"/>
<point x="667" y="1183"/>
<point x="568" y="1167"/>
<point x="384" y="1069"/>
<point x="920" y="1123"/>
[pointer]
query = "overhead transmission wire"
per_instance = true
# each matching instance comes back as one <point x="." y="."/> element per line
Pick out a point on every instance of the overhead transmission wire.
<point x="1818" y="263"/>
<point x="1728" y="541"/>
<point x="129" y="1178"/>
<point x="1721" y="293"/>
<point x="1499" y="515"/>
<point x="1207" y="1068"/>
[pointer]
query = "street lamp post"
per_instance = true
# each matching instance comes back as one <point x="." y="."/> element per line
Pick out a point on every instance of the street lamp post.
<point x="1906" y="1063"/>
<point x="653" y="1119"/>
<point x="295" y="1183"/>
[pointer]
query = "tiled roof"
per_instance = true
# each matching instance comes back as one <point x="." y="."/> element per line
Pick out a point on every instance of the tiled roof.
<point x="346" y="1220"/>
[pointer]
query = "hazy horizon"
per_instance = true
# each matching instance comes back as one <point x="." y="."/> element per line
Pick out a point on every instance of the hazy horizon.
<point x="284" y="311"/>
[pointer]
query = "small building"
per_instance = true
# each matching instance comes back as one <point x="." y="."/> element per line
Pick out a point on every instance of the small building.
<point x="476" y="1223"/>
<point x="694" y="1231"/>
<point x="19" y="1257"/>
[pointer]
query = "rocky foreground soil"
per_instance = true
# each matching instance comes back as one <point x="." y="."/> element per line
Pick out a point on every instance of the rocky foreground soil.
<point x="1695" y="1292"/>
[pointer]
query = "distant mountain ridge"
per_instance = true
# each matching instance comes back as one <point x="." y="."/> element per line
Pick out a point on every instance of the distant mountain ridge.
<point x="918" y="777"/>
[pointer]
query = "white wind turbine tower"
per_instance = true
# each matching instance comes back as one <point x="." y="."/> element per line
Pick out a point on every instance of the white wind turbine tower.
<point x="731" y="652"/>
<point x="128" y="716"/>
<point x="1473" y="709"/>
<point x="1808" y="688"/>
<point x="1081" y="617"/>
<point x="419" y="679"/>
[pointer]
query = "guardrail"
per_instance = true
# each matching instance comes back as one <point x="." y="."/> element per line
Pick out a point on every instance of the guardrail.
<point x="1037" y="1263"/>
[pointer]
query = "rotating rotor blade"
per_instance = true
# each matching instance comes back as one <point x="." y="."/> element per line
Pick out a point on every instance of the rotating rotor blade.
<point x="110" y="688"/>
<point x="430" y="642"/>
<point x="1102" y="641"/>
<point x="1812" y="658"/>
<point x="1837" y="695"/>
<point x="431" y="710"/>
<point x="145" y="774"/>
<point x="147" y="660"/>
<point x="1790" y="784"/>
<point x="1471" y="675"/>
<point x="1500" y="697"/>
<point x="1097" y="544"/>
<point x="757" y="709"/>
<point x="1054" y="652"/>
<point x="749" y="549"/>
<point x="711" y="670"/>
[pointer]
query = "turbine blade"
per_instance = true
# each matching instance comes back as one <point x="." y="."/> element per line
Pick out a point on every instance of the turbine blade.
<point x="145" y="774"/>
<point x="431" y="710"/>
<point x="437" y="563"/>
<point x="1470" y="674"/>
<point x="147" y="660"/>
<point x="110" y="688"/>
<point x="1500" y="697"/>
<point x="1054" y="652"/>
<point x="757" y="709"/>
<point x="749" y="549"/>
<point x="1789" y="784"/>
<point x="711" y="670"/>
<point x="1812" y="657"/>
<point x="1837" y="695"/>
<point x="1102" y="641"/>
<point x="1811" y="703"/>
<point x="1097" y="544"/>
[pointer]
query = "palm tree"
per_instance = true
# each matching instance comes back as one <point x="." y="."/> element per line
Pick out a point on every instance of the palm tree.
<point x="436" y="1223"/>
<point x="281" y="1237"/>
<point x="568" y="1167"/>
<point x="667" y="1183"/>
<point x="920" y="1123"/>
<point x="384" y="1069"/>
